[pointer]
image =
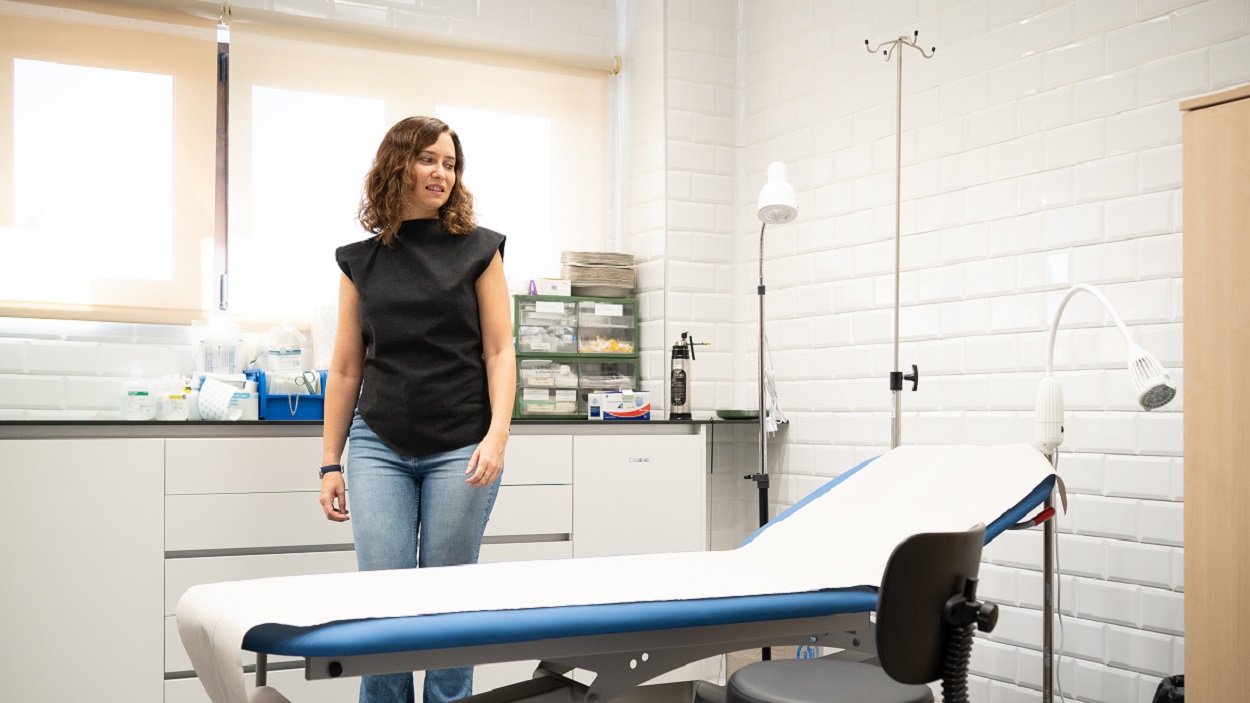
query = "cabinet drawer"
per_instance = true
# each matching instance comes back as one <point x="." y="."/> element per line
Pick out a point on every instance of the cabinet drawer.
<point x="534" y="459"/>
<point x="524" y="551"/>
<point x="532" y="510"/>
<point x="259" y="520"/>
<point x="217" y="465"/>
<point x="181" y="574"/>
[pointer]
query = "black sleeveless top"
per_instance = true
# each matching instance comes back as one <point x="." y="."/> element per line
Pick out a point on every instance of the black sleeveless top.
<point x="424" y="389"/>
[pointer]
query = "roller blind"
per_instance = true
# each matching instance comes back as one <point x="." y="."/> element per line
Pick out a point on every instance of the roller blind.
<point x="107" y="172"/>
<point x="307" y="114"/>
<point x="106" y="198"/>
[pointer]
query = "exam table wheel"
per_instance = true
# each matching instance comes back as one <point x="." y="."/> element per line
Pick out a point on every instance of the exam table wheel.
<point x="266" y="694"/>
<point x="820" y="681"/>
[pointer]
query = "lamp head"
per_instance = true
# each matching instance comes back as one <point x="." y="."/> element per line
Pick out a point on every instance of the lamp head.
<point x="1154" y="385"/>
<point x="1048" y="415"/>
<point x="778" y="203"/>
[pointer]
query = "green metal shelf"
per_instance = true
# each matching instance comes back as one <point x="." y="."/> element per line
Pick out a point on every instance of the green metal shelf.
<point x="633" y="357"/>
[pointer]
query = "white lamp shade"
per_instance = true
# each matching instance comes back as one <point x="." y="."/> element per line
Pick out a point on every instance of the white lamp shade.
<point x="778" y="203"/>
<point x="1048" y="415"/>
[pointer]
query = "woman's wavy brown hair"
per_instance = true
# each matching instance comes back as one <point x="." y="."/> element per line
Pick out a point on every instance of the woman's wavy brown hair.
<point x="390" y="181"/>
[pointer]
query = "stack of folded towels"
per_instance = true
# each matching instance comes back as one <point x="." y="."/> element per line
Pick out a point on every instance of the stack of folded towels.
<point x="599" y="273"/>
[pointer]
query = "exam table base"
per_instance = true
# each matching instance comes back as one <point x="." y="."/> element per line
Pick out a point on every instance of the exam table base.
<point x="620" y="661"/>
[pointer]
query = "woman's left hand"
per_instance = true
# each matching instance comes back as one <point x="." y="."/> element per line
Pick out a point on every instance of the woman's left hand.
<point x="487" y="461"/>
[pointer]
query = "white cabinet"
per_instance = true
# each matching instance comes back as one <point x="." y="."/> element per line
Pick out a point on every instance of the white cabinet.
<point x="642" y="494"/>
<point x="81" y="570"/>
<point x="109" y="533"/>
<point x="639" y="494"/>
<point x="240" y="508"/>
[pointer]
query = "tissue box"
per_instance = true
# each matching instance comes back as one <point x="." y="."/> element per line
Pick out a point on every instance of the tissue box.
<point x="625" y="405"/>
<point x="550" y="286"/>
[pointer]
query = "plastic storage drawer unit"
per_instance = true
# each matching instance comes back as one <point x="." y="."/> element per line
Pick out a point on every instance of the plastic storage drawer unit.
<point x="546" y="388"/>
<point x="606" y="327"/>
<point x="603" y="377"/>
<point x="548" y="326"/>
<point x="539" y="402"/>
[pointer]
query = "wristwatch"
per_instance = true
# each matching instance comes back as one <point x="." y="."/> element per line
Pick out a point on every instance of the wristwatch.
<point x="332" y="468"/>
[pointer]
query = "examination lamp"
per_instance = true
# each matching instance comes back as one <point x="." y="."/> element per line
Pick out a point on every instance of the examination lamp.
<point x="1154" y="388"/>
<point x="1151" y="381"/>
<point x="777" y="202"/>
<point x="777" y="205"/>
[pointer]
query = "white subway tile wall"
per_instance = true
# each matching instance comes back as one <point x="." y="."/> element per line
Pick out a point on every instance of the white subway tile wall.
<point x="71" y="370"/>
<point x="699" y="80"/>
<point x="1040" y="148"/>
<point x="641" y="95"/>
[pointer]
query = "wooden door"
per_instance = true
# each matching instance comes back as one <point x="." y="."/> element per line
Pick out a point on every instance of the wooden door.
<point x="1217" y="396"/>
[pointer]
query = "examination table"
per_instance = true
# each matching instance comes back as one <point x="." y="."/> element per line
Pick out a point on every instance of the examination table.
<point x="808" y="577"/>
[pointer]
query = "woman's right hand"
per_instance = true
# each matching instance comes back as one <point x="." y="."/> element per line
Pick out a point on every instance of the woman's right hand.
<point x="334" y="497"/>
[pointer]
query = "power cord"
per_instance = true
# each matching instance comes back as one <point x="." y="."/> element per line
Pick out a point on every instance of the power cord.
<point x="775" y="416"/>
<point x="1056" y="588"/>
<point x="1059" y="612"/>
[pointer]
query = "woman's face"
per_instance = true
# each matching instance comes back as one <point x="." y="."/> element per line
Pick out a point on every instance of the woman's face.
<point x="434" y="175"/>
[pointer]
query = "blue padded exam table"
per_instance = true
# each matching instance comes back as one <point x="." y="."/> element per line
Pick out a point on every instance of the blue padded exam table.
<point x="624" y="644"/>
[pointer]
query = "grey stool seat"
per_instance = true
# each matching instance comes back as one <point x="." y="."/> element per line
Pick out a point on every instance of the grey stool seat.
<point x="820" y="681"/>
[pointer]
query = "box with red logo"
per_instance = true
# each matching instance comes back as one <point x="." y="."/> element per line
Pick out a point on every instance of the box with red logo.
<point x="625" y="405"/>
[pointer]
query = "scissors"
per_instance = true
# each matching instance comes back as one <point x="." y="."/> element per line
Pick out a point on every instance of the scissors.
<point x="308" y="380"/>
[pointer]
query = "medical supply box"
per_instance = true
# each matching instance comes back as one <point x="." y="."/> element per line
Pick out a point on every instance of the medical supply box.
<point x="550" y="286"/>
<point x="625" y="405"/>
<point x="289" y="406"/>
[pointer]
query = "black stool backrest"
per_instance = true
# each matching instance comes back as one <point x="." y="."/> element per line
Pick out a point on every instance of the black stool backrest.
<point x="923" y="572"/>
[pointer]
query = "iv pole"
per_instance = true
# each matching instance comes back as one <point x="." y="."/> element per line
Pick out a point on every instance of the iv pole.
<point x="896" y="376"/>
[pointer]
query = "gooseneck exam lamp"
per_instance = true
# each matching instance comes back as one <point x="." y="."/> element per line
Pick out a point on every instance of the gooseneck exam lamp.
<point x="777" y="205"/>
<point x="1154" y="388"/>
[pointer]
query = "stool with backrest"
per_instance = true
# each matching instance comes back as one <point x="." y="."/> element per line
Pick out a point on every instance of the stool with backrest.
<point x="926" y="614"/>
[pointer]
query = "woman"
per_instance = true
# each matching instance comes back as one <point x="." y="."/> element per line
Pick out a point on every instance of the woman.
<point x="423" y="374"/>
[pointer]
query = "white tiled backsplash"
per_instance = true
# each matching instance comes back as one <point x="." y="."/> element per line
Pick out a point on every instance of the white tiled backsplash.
<point x="71" y="370"/>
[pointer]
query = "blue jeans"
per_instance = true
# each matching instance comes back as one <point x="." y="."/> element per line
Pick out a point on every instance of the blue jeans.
<point x="409" y="512"/>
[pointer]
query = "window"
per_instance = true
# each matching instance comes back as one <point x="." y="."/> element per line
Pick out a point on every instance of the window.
<point x="102" y="195"/>
<point x="80" y="181"/>
<point x="309" y="153"/>
<point x="509" y="172"/>
<point x="107" y="199"/>
<point x="308" y="111"/>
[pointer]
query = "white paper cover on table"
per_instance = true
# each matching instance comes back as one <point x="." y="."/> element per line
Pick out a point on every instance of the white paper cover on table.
<point x="841" y="539"/>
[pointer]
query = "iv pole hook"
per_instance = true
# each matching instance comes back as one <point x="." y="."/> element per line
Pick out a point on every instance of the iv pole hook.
<point x="887" y="49"/>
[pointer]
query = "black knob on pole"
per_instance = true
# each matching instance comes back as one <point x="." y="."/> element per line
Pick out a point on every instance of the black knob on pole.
<point x="914" y="377"/>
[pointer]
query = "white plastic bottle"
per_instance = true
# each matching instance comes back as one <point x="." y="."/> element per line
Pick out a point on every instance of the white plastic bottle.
<point x="137" y="400"/>
<point x="172" y="402"/>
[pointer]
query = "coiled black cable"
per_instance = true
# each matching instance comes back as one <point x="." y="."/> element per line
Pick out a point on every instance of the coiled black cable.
<point x="955" y="662"/>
